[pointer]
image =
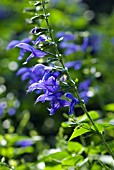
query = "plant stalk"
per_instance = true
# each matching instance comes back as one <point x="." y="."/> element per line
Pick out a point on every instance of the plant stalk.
<point x="72" y="83"/>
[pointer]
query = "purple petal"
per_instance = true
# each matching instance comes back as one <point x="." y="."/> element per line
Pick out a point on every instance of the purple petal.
<point x="33" y="87"/>
<point x="25" y="46"/>
<point x="34" y="52"/>
<point x="24" y="143"/>
<point x="85" y="44"/>
<point x="75" y="64"/>
<point x="26" y="76"/>
<point x="69" y="95"/>
<point x="56" y="105"/>
<point x="78" y="65"/>
<point x="22" y="53"/>
<point x="67" y="36"/>
<point x="71" y="109"/>
<point x="84" y="85"/>
<point x="26" y="40"/>
<point x="12" y="44"/>
<point x="1" y="109"/>
<point x="41" y="98"/>
<point x="22" y="70"/>
<point x="41" y="38"/>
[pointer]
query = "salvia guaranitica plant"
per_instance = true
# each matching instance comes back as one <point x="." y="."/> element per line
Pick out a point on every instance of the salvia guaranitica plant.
<point x="50" y="78"/>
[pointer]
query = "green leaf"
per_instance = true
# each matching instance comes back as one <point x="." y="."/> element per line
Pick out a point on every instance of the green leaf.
<point x="109" y="107"/>
<point x="28" y="149"/>
<point x="102" y="126"/>
<point x="75" y="147"/>
<point x="54" y="157"/>
<point x="96" y="167"/>
<point x="93" y="114"/>
<point x="72" y="160"/>
<point x="80" y="130"/>
<point x="56" y="167"/>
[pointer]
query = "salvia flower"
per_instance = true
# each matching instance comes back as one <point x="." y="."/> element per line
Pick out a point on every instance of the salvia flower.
<point x="34" y="74"/>
<point x="24" y="143"/>
<point x="25" y="47"/>
<point x="68" y="36"/>
<point x="85" y="44"/>
<point x="51" y="90"/>
<point x="56" y="104"/>
<point x="74" y="64"/>
<point x="34" y="52"/>
<point x="74" y="101"/>
<point x="84" y="85"/>
<point x="13" y="43"/>
<point x="50" y="85"/>
<point x="11" y="111"/>
<point x="83" y="89"/>
<point x="41" y="38"/>
<point x="69" y="45"/>
<point x="1" y="108"/>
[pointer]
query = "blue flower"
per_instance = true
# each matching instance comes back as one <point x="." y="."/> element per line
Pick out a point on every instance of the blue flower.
<point x="34" y="74"/>
<point x="74" y="101"/>
<point x="41" y="38"/>
<point x="51" y="85"/>
<point x="83" y="89"/>
<point x="11" y="111"/>
<point x="84" y="96"/>
<point x="67" y="36"/>
<point x="25" y="47"/>
<point x="84" y="85"/>
<point x="24" y="143"/>
<point x="56" y="104"/>
<point x="85" y="44"/>
<point x="48" y="96"/>
<point x="69" y="47"/>
<point x="25" y="73"/>
<point x="67" y="44"/>
<point x="1" y="109"/>
<point x="96" y="43"/>
<point x="48" y="83"/>
<point x="13" y="43"/>
<point x="51" y="90"/>
<point x="34" y="52"/>
<point x="41" y="70"/>
<point x="75" y="64"/>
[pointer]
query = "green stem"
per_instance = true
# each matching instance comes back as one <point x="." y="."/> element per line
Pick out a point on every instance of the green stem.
<point x="50" y="29"/>
<point x="72" y="83"/>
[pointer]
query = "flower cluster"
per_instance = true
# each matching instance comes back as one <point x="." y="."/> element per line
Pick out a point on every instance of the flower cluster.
<point x="49" y="83"/>
<point x="69" y="45"/>
<point x="46" y="80"/>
